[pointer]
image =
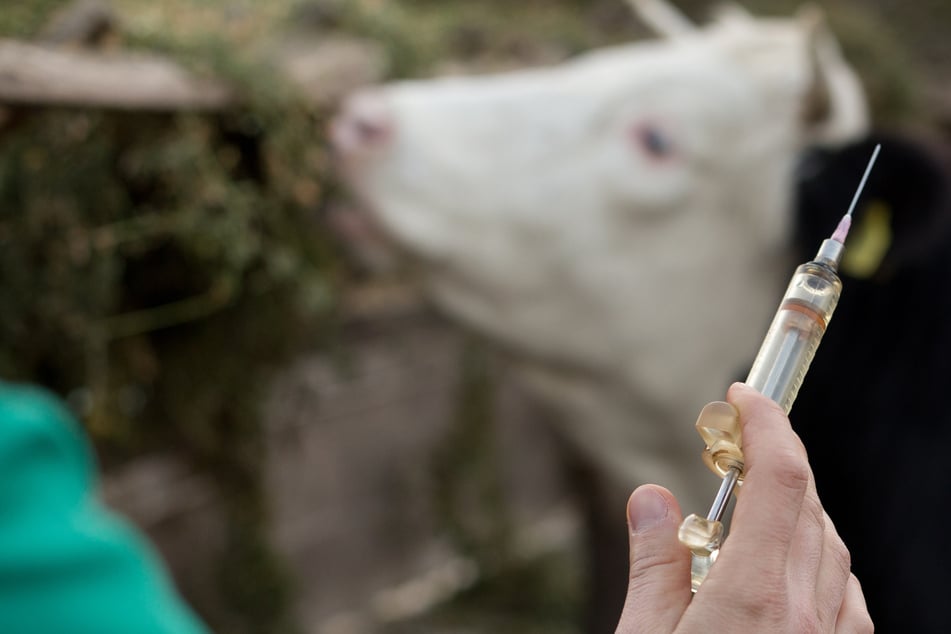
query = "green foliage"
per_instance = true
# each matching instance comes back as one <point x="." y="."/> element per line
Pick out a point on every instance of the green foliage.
<point x="421" y="37"/>
<point x="26" y="18"/>
<point x="115" y="227"/>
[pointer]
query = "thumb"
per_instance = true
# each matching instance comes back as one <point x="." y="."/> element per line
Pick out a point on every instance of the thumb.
<point x="658" y="589"/>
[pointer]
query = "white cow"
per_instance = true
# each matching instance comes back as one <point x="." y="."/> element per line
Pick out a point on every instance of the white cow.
<point x="619" y="222"/>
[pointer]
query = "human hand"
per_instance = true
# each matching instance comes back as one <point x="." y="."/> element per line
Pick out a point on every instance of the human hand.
<point x="782" y="569"/>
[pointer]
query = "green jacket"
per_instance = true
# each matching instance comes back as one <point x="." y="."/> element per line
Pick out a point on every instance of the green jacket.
<point x="68" y="565"/>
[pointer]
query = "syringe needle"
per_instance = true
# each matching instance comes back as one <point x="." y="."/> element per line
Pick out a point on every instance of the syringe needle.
<point x="843" y="229"/>
<point x="868" y="170"/>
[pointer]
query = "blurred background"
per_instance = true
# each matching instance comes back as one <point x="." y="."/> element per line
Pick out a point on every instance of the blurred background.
<point x="311" y="448"/>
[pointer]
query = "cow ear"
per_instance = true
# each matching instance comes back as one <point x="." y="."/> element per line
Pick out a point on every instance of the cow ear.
<point x="733" y="12"/>
<point x="834" y="107"/>
<point x="661" y="16"/>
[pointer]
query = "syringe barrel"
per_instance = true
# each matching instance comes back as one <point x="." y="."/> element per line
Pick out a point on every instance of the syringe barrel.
<point x="794" y="335"/>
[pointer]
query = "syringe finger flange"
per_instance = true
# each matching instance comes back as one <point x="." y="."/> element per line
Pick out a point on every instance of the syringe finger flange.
<point x="719" y="426"/>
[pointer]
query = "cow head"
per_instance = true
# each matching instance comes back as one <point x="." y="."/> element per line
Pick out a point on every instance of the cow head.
<point x="622" y="215"/>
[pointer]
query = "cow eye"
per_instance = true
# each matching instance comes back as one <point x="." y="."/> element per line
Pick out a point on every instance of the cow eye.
<point x="653" y="141"/>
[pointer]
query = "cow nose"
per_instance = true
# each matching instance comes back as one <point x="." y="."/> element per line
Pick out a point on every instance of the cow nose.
<point x="364" y="125"/>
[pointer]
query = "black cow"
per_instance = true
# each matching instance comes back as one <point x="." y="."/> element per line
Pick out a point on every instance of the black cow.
<point x="873" y="411"/>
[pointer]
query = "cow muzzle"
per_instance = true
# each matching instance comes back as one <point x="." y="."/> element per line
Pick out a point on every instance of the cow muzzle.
<point x="364" y="126"/>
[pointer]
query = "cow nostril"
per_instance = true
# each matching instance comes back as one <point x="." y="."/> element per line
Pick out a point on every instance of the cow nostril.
<point x="370" y="130"/>
<point x="363" y="124"/>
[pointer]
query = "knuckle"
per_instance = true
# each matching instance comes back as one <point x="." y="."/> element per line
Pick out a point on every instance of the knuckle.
<point x="855" y="581"/>
<point x="840" y="553"/>
<point x="842" y="558"/>
<point x="865" y="625"/>
<point x="774" y="409"/>
<point x="791" y="470"/>
<point x="856" y="621"/>
<point x="815" y="514"/>
<point x="862" y="619"/>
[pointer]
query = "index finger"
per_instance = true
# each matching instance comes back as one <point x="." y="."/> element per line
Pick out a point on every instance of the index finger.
<point x="776" y="478"/>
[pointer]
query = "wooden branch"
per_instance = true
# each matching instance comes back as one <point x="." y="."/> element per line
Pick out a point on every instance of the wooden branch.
<point x="40" y="75"/>
<point x="33" y="74"/>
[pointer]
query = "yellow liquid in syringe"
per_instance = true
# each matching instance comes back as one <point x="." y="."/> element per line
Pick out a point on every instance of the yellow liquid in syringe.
<point x="794" y="335"/>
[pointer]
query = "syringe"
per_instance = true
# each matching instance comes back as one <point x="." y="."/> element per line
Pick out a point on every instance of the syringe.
<point x="778" y="371"/>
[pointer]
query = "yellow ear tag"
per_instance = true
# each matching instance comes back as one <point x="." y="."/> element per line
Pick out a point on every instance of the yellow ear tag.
<point x="868" y="242"/>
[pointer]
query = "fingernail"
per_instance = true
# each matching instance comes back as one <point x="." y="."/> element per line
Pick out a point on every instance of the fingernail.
<point x="742" y="387"/>
<point x="646" y="508"/>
